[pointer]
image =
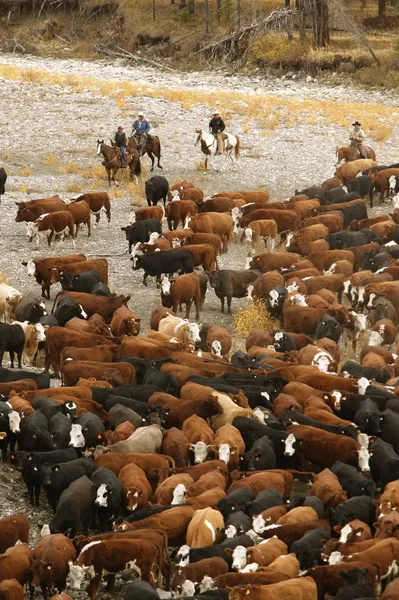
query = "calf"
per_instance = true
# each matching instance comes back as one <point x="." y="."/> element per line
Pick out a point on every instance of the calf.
<point x="50" y="224"/>
<point x="182" y="290"/>
<point x="80" y="212"/>
<point x="230" y="284"/>
<point x="50" y="563"/>
<point x="136" y="487"/>
<point x="16" y="564"/>
<point x="124" y="322"/>
<point x="177" y="211"/>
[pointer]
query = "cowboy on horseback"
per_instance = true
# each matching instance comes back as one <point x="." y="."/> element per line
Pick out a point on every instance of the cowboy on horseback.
<point x="357" y="138"/>
<point x="217" y="126"/>
<point x="140" y="130"/>
<point x="121" y="143"/>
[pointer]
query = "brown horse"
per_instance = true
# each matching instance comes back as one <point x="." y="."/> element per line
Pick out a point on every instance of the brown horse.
<point x="145" y="145"/>
<point x="113" y="161"/>
<point x="349" y="153"/>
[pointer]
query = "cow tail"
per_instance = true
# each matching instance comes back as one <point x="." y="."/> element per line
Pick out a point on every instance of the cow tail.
<point x="137" y="167"/>
<point x="171" y="461"/>
<point x="55" y="301"/>
<point x="237" y="148"/>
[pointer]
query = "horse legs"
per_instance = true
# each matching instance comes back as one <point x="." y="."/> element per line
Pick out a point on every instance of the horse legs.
<point x="132" y="173"/>
<point x="159" y="161"/>
<point x="150" y="154"/>
<point x="109" y="176"/>
<point x="114" y="172"/>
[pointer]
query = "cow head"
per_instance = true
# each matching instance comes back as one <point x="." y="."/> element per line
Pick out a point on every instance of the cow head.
<point x="165" y="285"/>
<point x="179" y="494"/>
<point x="103" y="495"/>
<point x="77" y="574"/>
<point x="200" y="450"/>
<point x="77" y="438"/>
<point x="132" y="497"/>
<point x="183" y="556"/>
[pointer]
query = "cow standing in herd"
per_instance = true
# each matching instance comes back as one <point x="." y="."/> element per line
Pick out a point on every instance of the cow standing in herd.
<point x="205" y="470"/>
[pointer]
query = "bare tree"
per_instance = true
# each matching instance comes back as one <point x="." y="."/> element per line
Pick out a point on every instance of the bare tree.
<point x="207" y="16"/>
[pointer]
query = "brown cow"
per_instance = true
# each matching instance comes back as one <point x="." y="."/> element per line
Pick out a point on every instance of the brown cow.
<point x="265" y="229"/>
<point x="80" y="212"/>
<point x="50" y="563"/>
<point x="191" y="193"/>
<point x="220" y="223"/>
<point x="103" y="305"/>
<point x="72" y="370"/>
<point x="100" y="265"/>
<point x="199" y="435"/>
<point x="204" y="255"/>
<point x="326" y="486"/>
<point x="16" y="563"/>
<point x="32" y="210"/>
<point x="41" y="269"/>
<point x="175" y="444"/>
<point x="182" y="290"/>
<point x="125" y="322"/>
<point x="97" y="201"/>
<point x="271" y="261"/>
<point x="11" y="589"/>
<point x="136" y="486"/>
<point x="50" y="224"/>
<point x="214" y="239"/>
<point x="329" y="580"/>
<point x="122" y="432"/>
<point x="101" y="353"/>
<point x="12" y="529"/>
<point x="177" y="211"/>
<point x="218" y="341"/>
<point x="174" y="522"/>
<point x="285" y="219"/>
<point x="334" y="221"/>
<point x="147" y="212"/>
<point x="191" y="575"/>
<point x="303" y="588"/>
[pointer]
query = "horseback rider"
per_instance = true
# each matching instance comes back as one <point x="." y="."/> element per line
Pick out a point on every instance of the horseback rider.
<point x="121" y="143"/>
<point x="357" y="138"/>
<point x="217" y="126"/>
<point x="140" y="130"/>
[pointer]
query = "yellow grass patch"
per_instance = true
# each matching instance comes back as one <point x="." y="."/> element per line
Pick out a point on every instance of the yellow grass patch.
<point x="74" y="187"/>
<point x="50" y="160"/>
<point x="71" y="167"/>
<point x="23" y="189"/>
<point x="25" y="172"/>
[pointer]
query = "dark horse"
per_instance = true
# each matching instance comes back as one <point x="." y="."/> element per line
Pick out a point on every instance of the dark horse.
<point x="113" y="161"/>
<point x="148" y="146"/>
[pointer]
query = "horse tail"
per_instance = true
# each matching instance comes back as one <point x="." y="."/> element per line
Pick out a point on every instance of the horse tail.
<point x="237" y="148"/>
<point x="159" y="145"/>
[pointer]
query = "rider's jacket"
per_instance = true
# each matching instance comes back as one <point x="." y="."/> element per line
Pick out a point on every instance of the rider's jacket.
<point x="141" y="127"/>
<point x="357" y="136"/>
<point x="217" y="124"/>
<point x="120" y="139"/>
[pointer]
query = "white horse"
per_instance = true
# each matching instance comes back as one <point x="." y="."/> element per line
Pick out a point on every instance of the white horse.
<point x="209" y="147"/>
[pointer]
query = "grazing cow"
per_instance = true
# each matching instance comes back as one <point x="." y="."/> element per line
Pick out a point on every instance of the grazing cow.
<point x="32" y="210"/>
<point x="74" y="508"/>
<point x="50" y="224"/>
<point x="97" y="201"/>
<point x="156" y="188"/>
<point x="78" y="283"/>
<point x="220" y="223"/>
<point x="41" y="269"/>
<point x="182" y="290"/>
<point x="140" y="231"/>
<point x="204" y="528"/>
<point x="91" y="304"/>
<point x="80" y="212"/>
<point x="30" y="308"/>
<point x="141" y="214"/>
<point x="265" y="229"/>
<point x="50" y="563"/>
<point x="218" y="341"/>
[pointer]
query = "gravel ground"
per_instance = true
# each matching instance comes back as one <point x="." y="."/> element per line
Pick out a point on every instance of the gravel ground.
<point x="39" y="119"/>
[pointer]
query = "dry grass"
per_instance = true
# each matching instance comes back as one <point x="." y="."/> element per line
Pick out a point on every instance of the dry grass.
<point x="25" y="172"/>
<point x="253" y="316"/>
<point x="74" y="187"/>
<point x="70" y="167"/>
<point x="24" y="188"/>
<point x="50" y="160"/>
<point x="114" y="193"/>
<point x="93" y="172"/>
<point x="279" y="111"/>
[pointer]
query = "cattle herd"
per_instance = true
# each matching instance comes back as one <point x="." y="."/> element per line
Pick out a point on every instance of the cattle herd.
<point x="175" y="466"/>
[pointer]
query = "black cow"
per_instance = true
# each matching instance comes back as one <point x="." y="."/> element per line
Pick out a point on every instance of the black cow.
<point x="275" y="300"/>
<point x="288" y="417"/>
<point x="109" y="496"/>
<point x="264" y="500"/>
<point x="384" y="462"/>
<point x="67" y="309"/>
<point x="330" y="195"/>
<point x="368" y="417"/>
<point x="358" y="371"/>
<point x="49" y="407"/>
<point x="79" y="283"/>
<point x="35" y="434"/>
<point x="328" y="327"/>
<point x="60" y="428"/>
<point x="42" y="379"/>
<point x="357" y="507"/>
<point x="12" y="340"/>
<point x="308" y="548"/>
<point x="312" y="501"/>
<point x="353" y="482"/>
<point x="100" y="289"/>
<point x="355" y="586"/>
<point x="28" y="463"/>
<point x="75" y="508"/>
<point x="186" y="554"/>
<point x="87" y="432"/>
<point x="344" y="197"/>
<point x="139" y="392"/>
<point x="349" y="239"/>
<point x="165" y="262"/>
<point x="167" y="382"/>
<point x="140" y="231"/>
<point x="237" y="523"/>
<point x="49" y="320"/>
<point x="311" y="192"/>
<point x="156" y="188"/>
<point x="30" y="308"/>
<point x="140" y="589"/>
<point x="284" y="444"/>
<point x="374" y="261"/>
<point x="260" y="456"/>
<point x="119" y="414"/>
<point x="356" y="211"/>
<point x="363" y="186"/>
<point x="141" y="408"/>
<point x="389" y="423"/>
<point x="283" y="342"/>
<point x="55" y="478"/>
<point x="235" y="501"/>
<point x="3" y="179"/>
<point x="231" y="284"/>
<point x="139" y="515"/>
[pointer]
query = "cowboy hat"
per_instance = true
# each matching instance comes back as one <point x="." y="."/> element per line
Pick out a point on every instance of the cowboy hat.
<point x="356" y="123"/>
<point x="215" y="112"/>
<point x="141" y="114"/>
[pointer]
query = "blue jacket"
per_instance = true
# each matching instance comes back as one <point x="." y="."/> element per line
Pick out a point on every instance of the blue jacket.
<point x="141" y="127"/>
